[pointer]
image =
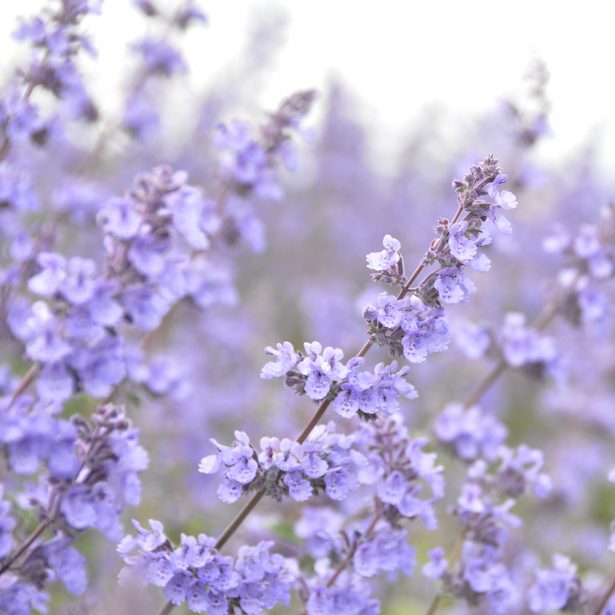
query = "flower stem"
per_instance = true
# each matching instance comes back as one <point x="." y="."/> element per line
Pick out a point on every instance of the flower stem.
<point x="605" y="598"/>
<point x="348" y="559"/>
<point x="166" y="609"/>
<point x="40" y="528"/>
<point x="25" y="382"/>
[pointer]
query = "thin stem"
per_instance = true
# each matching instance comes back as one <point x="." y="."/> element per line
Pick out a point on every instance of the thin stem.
<point x="40" y="528"/>
<point x="485" y="384"/>
<point x="605" y="598"/>
<point x="25" y="382"/>
<point x="5" y="148"/>
<point x="348" y="559"/>
<point x="166" y="609"/>
<point x="53" y="508"/>
<point x="231" y="528"/>
<point x="435" y="603"/>
<point x="455" y="555"/>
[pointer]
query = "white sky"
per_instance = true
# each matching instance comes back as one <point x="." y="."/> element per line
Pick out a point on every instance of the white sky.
<point x="398" y="56"/>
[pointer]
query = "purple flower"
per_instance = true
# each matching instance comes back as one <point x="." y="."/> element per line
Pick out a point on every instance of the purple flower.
<point x="453" y="285"/>
<point x="47" y="282"/>
<point x="462" y="247"/>
<point x="160" y="57"/>
<point x="437" y="564"/>
<point x="120" y="218"/>
<point x="555" y="587"/>
<point x="79" y="284"/>
<point x="387" y="258"/>
<point x="285" y="359"/>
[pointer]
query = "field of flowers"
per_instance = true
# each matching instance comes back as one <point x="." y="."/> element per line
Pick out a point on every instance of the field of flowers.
<point x="430" y="426"/>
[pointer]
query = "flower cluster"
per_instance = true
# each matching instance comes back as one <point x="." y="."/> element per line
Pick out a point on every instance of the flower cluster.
<point x="55" y="559"/>
<point x="523" y="346"/>
<point x="591" y="260"/>
<point x="519" y="345"/>
<point x="320" y="373"/>
<point x="457" y="242"/>
<point x="56" y="39"/>
<point x="91" y="473"/>
<point x="407" y="326"/>
<point x="326" y="461"/>
<point x="345" y="558"/>
<point x="249" y="166"/>
<point x="407" y="480"/>
<point x="557" y="588"/>
<point x="149" y="237"/>
<point x="365" y="551"/>
<point x="484" y="510"/>
<point x="195" y="572"/>
<point x="154" y="239"/>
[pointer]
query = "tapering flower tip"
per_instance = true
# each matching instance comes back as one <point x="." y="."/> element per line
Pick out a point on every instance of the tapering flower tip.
<point x="387" y="258"/>
<point x="298" y="103"/>
<point x="370" y="313"/>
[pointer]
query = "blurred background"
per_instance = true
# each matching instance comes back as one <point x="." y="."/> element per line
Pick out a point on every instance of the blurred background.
<point x="397" y="59"/>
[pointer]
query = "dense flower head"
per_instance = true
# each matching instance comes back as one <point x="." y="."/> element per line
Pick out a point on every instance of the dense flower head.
<point x="327" y="461"/>
<point x="555" y="589"/>
<point x="407" y="480"/>
<point x="194" y="572"/>
<point x="88" y="471"/>
<point x="408" y="327"/>
<point x="56" y="41"/>
<point x="374" y="393"/>
<point x="347" y="557"/>
<point x="250" y="163"/>
<point x="95" y="466"/>
<point x="457" y="242"/>
<point x="53" y="560"/>
<point x="320" y="373"/>
<point x="155" y="238"/>
<point x="312" y="372"/>
<point x="590" y="261"/>
<point x="484" y="508"/>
